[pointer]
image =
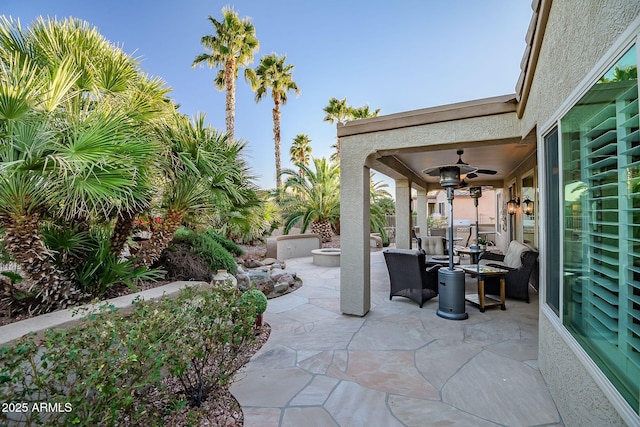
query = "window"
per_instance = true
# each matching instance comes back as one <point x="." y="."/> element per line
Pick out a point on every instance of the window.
<point x="552" y="253"/>
<point x="600" y="183"/>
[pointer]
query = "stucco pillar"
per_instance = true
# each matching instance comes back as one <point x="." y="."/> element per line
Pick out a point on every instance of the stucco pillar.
<point x="422" y="206"/>
<point x="403" y="214"/>
<point x="355" y="252"/>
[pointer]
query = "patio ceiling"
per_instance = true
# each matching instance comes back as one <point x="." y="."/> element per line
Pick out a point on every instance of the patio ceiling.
<point x="503" y="157"/>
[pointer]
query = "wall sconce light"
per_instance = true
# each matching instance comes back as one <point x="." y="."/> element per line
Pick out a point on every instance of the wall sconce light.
<point x="512" y="205"/>
<point x="527" y="206"/>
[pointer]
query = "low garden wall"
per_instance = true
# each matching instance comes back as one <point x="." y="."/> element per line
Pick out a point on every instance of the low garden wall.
<point x="292" y="246"/>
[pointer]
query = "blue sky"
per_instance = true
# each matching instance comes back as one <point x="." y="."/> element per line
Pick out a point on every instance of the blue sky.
<point x="394" y="55"/>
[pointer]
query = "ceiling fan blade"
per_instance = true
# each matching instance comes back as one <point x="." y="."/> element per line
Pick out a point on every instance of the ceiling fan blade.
<point x="472" y="175"/>
<point x="487" y="171"/>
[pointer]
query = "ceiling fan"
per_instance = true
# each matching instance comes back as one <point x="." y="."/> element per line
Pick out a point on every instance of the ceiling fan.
<point x="464" y="169"/>
<point x="472" y="175"/>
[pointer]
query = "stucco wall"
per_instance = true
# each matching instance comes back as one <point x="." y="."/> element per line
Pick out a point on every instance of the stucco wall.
<point x="488" y="128"/>
<point x="578" y="35"/>
<point x="578" y="398"/>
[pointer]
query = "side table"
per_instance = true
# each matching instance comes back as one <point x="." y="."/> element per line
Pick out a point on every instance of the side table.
<point x="481" y="272"/>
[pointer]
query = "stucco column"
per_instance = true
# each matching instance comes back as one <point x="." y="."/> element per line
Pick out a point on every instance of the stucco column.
<point x="422" y="207"/>
<point x="403" y="214"/>
<point x="355" y="250"/>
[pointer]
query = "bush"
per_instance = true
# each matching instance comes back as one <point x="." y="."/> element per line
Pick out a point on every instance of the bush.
<point x="113" y="368"/>
<point x="229" y="245"/>
<point x="206" y="247"/>
<point x="255" y="298"/>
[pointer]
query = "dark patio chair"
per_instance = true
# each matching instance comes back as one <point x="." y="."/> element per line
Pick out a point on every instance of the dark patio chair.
<point x="409" y="276"/>
<point x="520" y="260"/>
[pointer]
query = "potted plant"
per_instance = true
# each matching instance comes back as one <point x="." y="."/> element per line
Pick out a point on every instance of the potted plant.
<point x="482" y="242"/>
<point x="258" y="300"/>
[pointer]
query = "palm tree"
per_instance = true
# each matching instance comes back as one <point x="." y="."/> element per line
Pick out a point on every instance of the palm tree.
<point x="312" y="198"/>
<point x="377" y="189"/>
<point x="73" y="145"/>
<point x="230" y="48"/>
<point x="204" y="173"/>
<point x="300" y="150"/>
<point x="272" y="73"/>
<point x="363" y="112"/>
<point x="337" y="112"/>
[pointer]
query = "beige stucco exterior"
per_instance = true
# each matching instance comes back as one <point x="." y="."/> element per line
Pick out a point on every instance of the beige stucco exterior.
<point x="567" y="40"/>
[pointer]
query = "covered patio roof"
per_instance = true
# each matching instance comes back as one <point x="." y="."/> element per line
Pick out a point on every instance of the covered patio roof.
<point x="407" y="161"/>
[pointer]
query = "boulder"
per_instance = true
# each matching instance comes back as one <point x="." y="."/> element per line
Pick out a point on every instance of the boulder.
<point x="252" y="263"/>
<point x="276" y="273"/>
<point x="243" y="281"/>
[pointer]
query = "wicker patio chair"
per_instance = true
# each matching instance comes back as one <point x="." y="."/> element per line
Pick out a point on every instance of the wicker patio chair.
<point x="520" y="260"/>
<point x="409" y="276"/>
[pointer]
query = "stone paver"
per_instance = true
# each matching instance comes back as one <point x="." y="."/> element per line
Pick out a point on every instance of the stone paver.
<point x="399" y="365"/>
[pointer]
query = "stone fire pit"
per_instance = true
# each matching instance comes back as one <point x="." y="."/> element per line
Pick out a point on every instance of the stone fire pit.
<point x="327" y="257"/>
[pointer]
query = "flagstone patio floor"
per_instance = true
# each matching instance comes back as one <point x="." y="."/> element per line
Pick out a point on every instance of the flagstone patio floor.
<point x="400" y="365"/>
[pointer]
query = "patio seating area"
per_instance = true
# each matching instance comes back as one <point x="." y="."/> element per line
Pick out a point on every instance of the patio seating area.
<point x="400" y="365"/>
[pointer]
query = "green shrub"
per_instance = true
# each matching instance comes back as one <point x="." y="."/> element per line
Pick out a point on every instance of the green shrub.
<point x="114" y="367"/>
<point x="229" y="245"/>
<point x="206" y="247"/>
<point x="255" y="298"/>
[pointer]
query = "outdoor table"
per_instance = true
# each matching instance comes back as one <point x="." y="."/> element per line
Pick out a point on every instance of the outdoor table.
<point x="482" y="272"/>
<point x="474" y="252"/>
<point x="432" y="260"/>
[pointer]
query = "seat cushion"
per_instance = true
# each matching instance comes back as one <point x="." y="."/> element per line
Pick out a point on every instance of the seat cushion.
<point x="433" y="245"/>
<point x="513" y="257"/>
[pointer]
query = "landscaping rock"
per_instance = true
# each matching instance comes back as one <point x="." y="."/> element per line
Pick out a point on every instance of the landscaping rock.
<point x="286" y="280"/>
<point x="243" y="281"/>
<point x="277" y="273"/>
<point x="262" y="281"/>
<point x="269" y="261"/>
<point x="281" y="288"/>
<point x="252" y="263"/>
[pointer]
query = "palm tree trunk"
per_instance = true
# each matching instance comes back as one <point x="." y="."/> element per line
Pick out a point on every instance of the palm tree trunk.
<point x="150" y="251"/>
<point x="24" y="244"/>
<point x="121" y="231"/>
<point x="323" y="228"/>
<point x="230" y="82"/>
<point x="276" y="140"/>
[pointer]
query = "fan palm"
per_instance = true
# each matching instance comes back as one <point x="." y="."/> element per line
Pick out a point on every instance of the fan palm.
<point x="272" y="73"/>
<point x="230" y="48"/>
<point x="73" y="145"/>
<point x="300" y="150"/>
<point x="312" y="198"/>
<point x="205" y="173"/>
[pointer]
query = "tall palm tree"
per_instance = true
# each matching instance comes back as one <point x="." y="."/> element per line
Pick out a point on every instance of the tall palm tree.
<point x="313" y="198"/>
<point x="337" y="112"/>
<point x="300" y="150"/>
<point x="363" y="112"/>
<point x="272" y="73"/>
<point x="230" y="48"/>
